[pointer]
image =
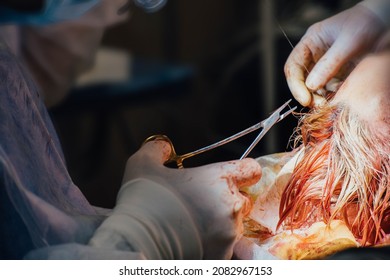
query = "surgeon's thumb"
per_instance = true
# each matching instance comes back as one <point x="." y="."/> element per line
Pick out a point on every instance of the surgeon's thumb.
<point x="158" y="149"/>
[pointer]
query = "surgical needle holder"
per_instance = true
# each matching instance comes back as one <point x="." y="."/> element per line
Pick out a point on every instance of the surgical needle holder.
<point x="266" y="125"/>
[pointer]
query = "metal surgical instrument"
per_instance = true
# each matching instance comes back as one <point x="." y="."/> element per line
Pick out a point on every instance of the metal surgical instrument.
<point x="266" y="125"/>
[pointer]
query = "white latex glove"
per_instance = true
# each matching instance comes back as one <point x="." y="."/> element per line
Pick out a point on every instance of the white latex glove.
<point x="328" y="49"/>
<point x="168" y="213"/>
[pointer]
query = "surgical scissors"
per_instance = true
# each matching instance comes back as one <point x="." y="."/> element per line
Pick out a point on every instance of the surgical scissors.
<point x="266" y="125"/>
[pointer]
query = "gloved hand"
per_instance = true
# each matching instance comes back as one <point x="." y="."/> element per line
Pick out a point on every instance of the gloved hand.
<point x="327" y="50"/>
<point x="178" y="213"/>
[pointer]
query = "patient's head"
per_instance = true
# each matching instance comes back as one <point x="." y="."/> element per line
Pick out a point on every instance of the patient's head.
<point x="367" y="92"/>
<point x="345" y="170"/>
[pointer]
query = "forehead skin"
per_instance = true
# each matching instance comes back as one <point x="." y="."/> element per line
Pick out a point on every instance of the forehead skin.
<point x="366" y="91"/>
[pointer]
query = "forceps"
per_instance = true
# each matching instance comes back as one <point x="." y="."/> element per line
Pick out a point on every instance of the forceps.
<point x="266" y="125"/>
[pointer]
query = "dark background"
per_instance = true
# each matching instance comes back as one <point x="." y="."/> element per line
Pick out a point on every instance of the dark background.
<point x="229" y="56"/>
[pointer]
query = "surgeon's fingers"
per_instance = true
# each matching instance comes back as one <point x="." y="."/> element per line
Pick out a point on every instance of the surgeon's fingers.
<point x="329" y="64"/>
<point x="242" y="173"/>
<point x="296" y="82"/>
<point x="147" y="160"/>
<point x="297" y="68"/>
<point x="239" y="174"/>
<point x="159" y="150"/>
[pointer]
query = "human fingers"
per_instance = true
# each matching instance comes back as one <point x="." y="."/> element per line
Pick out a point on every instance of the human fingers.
<point x="295" y="72"/>
<point x="242" y="173"/>
<point x="159" y="149"/>
<point x="330" y="63"/>
<point x="355" y="33"/>
<point x="224" y="180"/>
<point x="300" y="62"/>
<point x="148" y="160"/>
<point x="237" y="175"/>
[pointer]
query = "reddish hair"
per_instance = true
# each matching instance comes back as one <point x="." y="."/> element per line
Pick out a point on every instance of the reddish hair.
<point x="343" y="174"/>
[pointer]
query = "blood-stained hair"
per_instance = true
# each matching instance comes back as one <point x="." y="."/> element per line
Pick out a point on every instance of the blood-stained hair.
<point x="344" y="173"/>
